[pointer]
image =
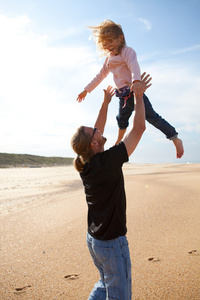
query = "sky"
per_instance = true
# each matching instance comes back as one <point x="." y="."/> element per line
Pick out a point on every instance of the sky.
<point x="47" y="57"/>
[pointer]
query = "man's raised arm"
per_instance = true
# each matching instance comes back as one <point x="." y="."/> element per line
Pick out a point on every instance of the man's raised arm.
<point x="132" y="139"/>
<point x="102" y="116"/>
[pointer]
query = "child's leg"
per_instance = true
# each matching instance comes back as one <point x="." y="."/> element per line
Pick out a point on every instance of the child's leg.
<point x="123" y="117"/>
<point x="157" y="121"/>
<point x="121" y="133"/>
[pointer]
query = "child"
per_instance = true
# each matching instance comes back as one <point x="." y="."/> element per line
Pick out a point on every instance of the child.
<point x="122" y="62"/>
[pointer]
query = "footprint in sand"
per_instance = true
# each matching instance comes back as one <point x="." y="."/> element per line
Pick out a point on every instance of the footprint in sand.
<point x="72" y="276"/>
<point x="153" y="259"/>
<point x="193" y="252"/>
<point x="21" y="290"/>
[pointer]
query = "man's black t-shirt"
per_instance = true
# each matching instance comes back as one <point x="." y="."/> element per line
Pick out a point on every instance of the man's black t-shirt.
<point x="105" y="195"/>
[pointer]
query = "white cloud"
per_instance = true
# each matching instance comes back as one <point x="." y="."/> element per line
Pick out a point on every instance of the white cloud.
<point x="26" y="57"/>
<point x="175" y="93"/>
<point x="188" y="49"/>
<point x="148" y="25"/>
<point x="38" y="87"/>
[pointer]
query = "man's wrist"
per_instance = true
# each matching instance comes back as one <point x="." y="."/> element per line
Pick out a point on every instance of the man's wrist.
<point x="136" y="81"/>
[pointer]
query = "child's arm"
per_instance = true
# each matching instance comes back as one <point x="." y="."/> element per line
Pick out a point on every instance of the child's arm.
<point x="130" y="57"/>
<point x="81" y="96"/>
<point x="95" y="82"/>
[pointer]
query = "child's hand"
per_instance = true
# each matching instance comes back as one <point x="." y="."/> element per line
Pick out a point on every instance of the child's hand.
<point x="81" y="96"/>
<point x="108" y="93"/>
<point x="137" y="87"/>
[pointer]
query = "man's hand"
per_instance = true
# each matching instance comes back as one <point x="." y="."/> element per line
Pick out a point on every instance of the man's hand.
<point x="137" y="88"/>
<point x="145" y="80"/>
<point x="140" y="87"/>
<point x="108" y="94"/>
<point x="81" y="96"/>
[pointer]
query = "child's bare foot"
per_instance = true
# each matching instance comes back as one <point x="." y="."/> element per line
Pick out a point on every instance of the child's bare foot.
<point x="179" y="147"/>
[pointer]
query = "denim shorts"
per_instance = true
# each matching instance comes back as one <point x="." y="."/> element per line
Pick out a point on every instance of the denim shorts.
<point x="112" y="259"/>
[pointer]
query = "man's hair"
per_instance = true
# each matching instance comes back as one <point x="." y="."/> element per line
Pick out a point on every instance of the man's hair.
<point x="80" y="143"/>
<point x="105" y="31"/>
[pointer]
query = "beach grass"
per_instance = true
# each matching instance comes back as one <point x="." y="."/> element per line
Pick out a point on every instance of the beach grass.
<point x="26" y="160"/>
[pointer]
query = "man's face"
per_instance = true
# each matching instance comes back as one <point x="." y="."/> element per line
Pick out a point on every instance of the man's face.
<point x="96" y="136"/>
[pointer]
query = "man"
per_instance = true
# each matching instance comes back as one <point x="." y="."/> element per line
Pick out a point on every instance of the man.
<point x="102" y="176"/>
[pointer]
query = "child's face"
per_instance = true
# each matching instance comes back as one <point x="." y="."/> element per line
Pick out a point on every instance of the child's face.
<point x="113" y="45"/>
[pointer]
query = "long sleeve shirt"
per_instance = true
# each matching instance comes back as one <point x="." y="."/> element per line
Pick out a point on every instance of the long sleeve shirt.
<point x="124" y="66"/>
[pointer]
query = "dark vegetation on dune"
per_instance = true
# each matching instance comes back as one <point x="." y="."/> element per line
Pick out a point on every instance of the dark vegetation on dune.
<point x="27" y="160"/>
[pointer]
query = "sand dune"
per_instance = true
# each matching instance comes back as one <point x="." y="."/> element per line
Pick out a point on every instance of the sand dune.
<point x="43" y="252"/>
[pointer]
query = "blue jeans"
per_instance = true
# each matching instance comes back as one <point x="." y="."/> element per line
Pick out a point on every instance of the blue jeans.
<point x="151" y="116"/>
<point x="112" y="259"/>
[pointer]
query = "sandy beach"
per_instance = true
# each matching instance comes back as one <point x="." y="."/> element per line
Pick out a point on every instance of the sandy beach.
<point x="43" y="224"/>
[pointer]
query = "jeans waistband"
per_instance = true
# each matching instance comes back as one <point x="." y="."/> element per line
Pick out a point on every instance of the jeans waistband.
<point x="123" y="92"/>
<point x="92" y="240"/>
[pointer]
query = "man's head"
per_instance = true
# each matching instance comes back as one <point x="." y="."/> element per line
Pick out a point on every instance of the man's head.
<point x="97" y="140"/>
<point x="86" y="142"/>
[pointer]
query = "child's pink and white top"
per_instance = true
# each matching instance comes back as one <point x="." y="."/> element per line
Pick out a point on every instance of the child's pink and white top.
<point x="124" y="66"/>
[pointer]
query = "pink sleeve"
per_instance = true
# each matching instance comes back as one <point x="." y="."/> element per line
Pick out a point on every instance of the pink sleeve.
<point x="98" y="78"/>
<point x="130" y="57"/>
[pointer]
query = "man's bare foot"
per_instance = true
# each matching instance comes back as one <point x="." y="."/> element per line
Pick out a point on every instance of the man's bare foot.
<point x="179" y="147"/>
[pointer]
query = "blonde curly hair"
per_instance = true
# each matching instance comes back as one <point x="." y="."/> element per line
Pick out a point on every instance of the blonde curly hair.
<point x="104" y="32"/>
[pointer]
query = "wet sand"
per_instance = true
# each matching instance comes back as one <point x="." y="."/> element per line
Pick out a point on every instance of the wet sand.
<point x="43" y="251"/>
